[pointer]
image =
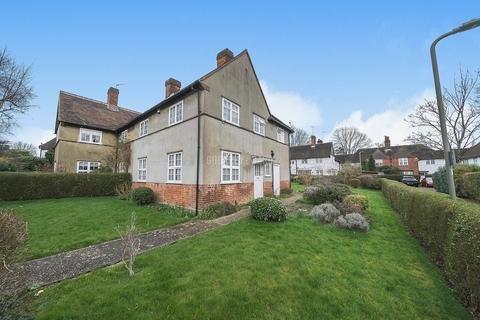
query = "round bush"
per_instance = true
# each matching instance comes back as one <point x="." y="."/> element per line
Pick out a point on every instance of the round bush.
<point x="370" y="182"/>
<point x="325" y="212"/>
<point x="352" y="221"/>
<point x="356" y="200"/>
<point x="355" y="182"/>
<point x="143" y="195"/>
<point x="326" y="193"/>
<point x="268" y="209"/>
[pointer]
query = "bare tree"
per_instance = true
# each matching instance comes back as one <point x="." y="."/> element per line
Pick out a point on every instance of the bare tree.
<point x="299" y="137"/>
<point x="462" y="116"/>
<point x="24" y="146"/>
<point x="131" y="244"/>
<point x="16" y="91"/>
<point x="347" y="140"/>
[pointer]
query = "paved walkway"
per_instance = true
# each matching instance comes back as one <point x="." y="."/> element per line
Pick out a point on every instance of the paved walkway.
<point x="51" y="269"/>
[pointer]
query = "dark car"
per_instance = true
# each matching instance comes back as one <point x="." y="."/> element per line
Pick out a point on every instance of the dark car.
<point x="427" y="182"/>
<point x="410" y="181"/>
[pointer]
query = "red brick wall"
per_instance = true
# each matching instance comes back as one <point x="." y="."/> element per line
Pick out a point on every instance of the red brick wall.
<point x="284" y="184"/>
<point x="184" y="194"/>
<point x="412" y="164"/>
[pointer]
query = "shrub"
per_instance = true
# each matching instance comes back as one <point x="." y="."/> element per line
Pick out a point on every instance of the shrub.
<point x="268" y="209"/>
<point x="440" y="179"/>
<point x="357" y="200"/>
<point x="26" y="186"/>
<point x="321" y="194"/>
<point x="13" y="234"/>
<point x="352" y="221"/>
<point x="448" y="228"/>
<point x="305" y="179"/>
<point x="325" y="212"/>
<point x="143" y="195"/>
<point x="286" y="191"/>
<point x="370" y="182"/>
<point x="348" y="172"/>
<point x="218" y="210"/>
<point x="355" y="182"/>
<point x="124" y="191"/>
<point x="468" y="185"/>
<point x="348" y="207"/>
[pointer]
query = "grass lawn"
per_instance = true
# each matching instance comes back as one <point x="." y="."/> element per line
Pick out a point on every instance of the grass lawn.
<point x="57" y="225"/>
<point x="298" y="269"/>
<point x="297" y="187"/>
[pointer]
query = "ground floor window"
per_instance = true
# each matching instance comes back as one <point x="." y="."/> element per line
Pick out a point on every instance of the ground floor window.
<point x="142" y="169"/>
<point x="407" y="173"/>
<point x="268" y="169"/>
<point x="87" y="166"/>
<point x="230" y="166"/>
<point x="122" y="167"/>
<point x="175" y="167"/>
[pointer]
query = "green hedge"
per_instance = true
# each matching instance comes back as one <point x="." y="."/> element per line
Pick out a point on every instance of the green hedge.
<point x="449" y="229"/>
<point x="467" y="181"/>
<point x="26" y="186"/>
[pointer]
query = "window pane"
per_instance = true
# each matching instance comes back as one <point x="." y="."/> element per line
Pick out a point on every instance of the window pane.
<point x="235" y="160"/>
<point x="172" y="115"/>
<point x="226" y="158"/>
<point x="235" y="174"/>
<point x="171" y="160"/>
<point x="179" y="112"/>
<point x="171" y="174"/>
<point x="178" y="174"/>
<point x="178" y="159"/>
<point x="95" y="138"/>
<point x="226" y="174"/>
<point x="85" y="137"/>
<point x="235" y="116"/>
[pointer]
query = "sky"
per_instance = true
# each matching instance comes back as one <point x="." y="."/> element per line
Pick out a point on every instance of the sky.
<point x="321" y="64"/>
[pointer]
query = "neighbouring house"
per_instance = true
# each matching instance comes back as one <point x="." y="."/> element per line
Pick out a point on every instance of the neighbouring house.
<point x="415" y="159"/>
<point x="47" y="146"/>
<point x="315" y="158"/>
<point x="472" y="155"/>
<point x="210" y="141"/>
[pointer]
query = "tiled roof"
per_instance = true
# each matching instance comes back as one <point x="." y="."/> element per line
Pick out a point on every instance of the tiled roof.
<point x="82" y="111"/>
<point x="322" y="150"/>
<point x="49" y="145"/>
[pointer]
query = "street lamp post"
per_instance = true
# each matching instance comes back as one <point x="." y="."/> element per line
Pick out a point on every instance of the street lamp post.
<point x="449" y="157"/>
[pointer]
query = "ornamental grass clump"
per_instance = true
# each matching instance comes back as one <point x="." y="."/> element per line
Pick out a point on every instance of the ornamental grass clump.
<point x="325" y="213"/>
<point x="352" y="221"/>
<point x="268" y="209"/>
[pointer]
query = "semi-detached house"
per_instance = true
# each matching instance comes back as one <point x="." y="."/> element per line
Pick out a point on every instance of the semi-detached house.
<point x="213" y="140"/>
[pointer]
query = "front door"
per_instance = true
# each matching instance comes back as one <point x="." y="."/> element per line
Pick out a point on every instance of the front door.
<point x="258" y="181"/>
<point x="276" y="179"/>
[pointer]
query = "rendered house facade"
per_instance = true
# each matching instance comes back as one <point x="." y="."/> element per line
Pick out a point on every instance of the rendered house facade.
<point x="316" y="158"/>
<point x="472" y="155"/>
<point x="213" y="140"/>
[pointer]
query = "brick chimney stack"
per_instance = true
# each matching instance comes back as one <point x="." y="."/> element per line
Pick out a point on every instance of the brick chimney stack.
<point x="387" y="142"/>
<point x="112" y="96"/>
<point x="172" y="86"/>
<point x="313" y="140"/>
<point x="223" y="57"/>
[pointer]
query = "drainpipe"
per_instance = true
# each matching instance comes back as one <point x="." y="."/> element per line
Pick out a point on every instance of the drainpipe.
<point x="197" y="186"/>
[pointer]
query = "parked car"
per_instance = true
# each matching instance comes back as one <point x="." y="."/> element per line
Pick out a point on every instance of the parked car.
<point x="410" y="181"/>
<point x="427" y="182"/>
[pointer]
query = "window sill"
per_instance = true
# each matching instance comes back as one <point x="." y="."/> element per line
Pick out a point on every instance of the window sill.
<point x="230" y="122"/>
<point x="97" y="143"/>
<point x="230" y="182"/>
<point x="174" y="182"/>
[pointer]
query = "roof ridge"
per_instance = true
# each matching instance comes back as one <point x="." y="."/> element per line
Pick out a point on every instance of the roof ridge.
<point x="94" y="100"/>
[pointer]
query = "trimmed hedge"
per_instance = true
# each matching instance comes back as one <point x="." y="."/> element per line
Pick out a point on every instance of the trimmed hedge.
<point x="468" y="185"/>
<point x="440" y="179"/>
<point x="217" y="210"/>
<point x="449" y="229"/>
<point x="26" y="186"/>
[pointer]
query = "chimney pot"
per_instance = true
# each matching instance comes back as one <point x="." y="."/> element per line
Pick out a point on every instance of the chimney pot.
<point x="387" y="142"/>
<point x="172" y="86"/>
<point x="313" y="139"/>
<point x="319" y="141"/>
<point x="112" y="96"/>
<point x="223" y="57"/>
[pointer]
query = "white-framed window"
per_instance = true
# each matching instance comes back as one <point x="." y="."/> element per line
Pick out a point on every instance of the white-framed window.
<point x="379" y="162"/>
<point x="175" y="113"/>
<point x="268" y="169"/>
<point x="319" y="160"/>
<point x="281" y="135"/>
<point x="230" y="167"/>
<point x="122" y="166"/>
<point x="87" y="166"/>
<point x="90" y="136"/>
<point x="144" y="128"/>
<point x="124" y="136"/>
<point x="430" y="161"/>
<point x="403" y="161"/>
<point x="304" y="161"/>
<point x="292" y="162"/>
<point x="230" y="112"/>
<point x="174" y="167"/>
<point x="142" y="169"/>
<point x="258" y="125"/>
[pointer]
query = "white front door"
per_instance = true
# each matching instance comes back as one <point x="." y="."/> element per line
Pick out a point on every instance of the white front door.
<point x="276" y="179"/>
<point x="258" y="181"/>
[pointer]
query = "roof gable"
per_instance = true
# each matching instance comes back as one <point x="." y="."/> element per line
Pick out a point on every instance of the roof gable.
<point x="321" y="150"/>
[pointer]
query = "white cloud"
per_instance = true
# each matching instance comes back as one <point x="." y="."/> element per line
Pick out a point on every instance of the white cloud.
<point x="33" y="135"/>
<point x="291" y="107"/>
<point x="389" y="122"/>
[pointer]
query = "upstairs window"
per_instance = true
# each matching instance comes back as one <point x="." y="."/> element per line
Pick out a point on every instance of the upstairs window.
<point x="87" y="166"/>
<point x="90" y="136"/>
<point x="430" y="162"/>
<point x="175" y="113"/>
<point x="281" y="135"/>
<point x="230" y="167"/>
<point x="258" y="125"/>
<point x="175" y="167"/>
<point x="124" y="136"/>
<point x="379" y="162"/>
<point x="403" y="161"/>
<point x="304" y="161"/>
<point x="230" y="112"/>
<point x="144" y="128"/>
<point x="142" y="169"/>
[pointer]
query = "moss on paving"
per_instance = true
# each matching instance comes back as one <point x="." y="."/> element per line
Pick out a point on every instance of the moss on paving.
<point x="298" y="269"/>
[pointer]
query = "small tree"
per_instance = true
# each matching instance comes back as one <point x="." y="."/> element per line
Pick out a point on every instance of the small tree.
<point x="347" y="140"/>
<point x="131" y="244"/>
<point x="298" y="137"/>
<point x="348" y="172"/>
<point x="371" y="163"/>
